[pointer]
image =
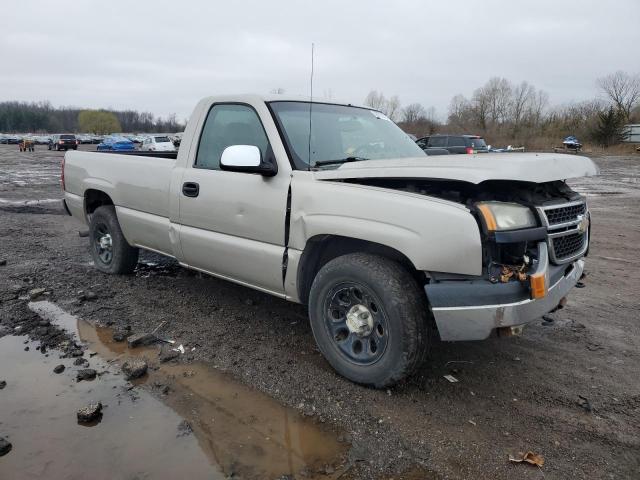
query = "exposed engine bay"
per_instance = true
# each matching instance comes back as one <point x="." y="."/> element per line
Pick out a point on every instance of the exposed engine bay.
<point x="506" y="257"/>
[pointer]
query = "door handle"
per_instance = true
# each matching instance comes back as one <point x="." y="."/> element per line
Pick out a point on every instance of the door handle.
<point x="190" y="189"/>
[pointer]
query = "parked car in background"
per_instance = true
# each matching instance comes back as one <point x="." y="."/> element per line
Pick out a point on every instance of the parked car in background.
<point x="157" y="143"/>
<point x="42" y="140"/>
<point x="10" y="140"/>
<point x="119" y="144"/>
<point x="63" y="141"/>
<point x="454" y="143"/>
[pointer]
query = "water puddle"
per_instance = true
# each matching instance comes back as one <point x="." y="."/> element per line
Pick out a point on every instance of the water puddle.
<point x="234" y="431"/>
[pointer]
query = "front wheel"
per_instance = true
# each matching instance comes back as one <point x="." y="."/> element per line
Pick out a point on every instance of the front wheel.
<point x="369" y="319"/>
<point x="110" y="251"/>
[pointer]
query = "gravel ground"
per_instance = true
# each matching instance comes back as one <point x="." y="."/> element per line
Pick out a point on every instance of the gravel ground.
<point x="520" y="394"/>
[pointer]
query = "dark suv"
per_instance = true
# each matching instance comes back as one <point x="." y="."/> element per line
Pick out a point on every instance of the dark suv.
<point x="454" y="143"/>
<point x="63" y="142"/>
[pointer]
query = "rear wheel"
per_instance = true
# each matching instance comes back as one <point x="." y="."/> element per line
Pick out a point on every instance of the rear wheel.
<point x="110" y="251"/>
<point x="369" y="319"/>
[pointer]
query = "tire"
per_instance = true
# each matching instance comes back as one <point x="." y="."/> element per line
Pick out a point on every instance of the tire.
<point x="395" y="337"/>
<point x="104" y="230"/>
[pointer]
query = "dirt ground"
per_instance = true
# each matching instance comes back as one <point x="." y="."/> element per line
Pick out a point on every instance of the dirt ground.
<point x="568" y="389"/>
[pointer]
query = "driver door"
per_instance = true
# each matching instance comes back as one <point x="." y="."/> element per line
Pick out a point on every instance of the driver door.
<point x="232" y="224"/>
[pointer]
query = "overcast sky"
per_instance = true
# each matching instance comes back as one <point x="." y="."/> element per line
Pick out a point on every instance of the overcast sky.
<point x="162" y="56"/>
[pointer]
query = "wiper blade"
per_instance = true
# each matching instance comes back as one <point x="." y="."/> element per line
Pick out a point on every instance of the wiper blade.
<point x="320" y="163"/>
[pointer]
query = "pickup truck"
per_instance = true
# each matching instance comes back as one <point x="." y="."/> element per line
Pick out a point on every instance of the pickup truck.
<point x="333" y="206"/>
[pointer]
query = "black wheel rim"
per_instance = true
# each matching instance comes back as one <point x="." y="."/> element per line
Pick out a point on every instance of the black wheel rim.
<point x="103" y="243"/>
<point x="356" y="322"/>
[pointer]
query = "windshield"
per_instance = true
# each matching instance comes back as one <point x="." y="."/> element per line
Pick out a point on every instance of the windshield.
<point x="339" y="132"/>
<point x="68" y="137"/>
<point x="162" y="139"/>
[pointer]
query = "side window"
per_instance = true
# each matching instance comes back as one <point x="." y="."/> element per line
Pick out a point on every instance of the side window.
<point x="457" y="142"/>
<point x="228" y="125"/>
<point x="438" y="141"/>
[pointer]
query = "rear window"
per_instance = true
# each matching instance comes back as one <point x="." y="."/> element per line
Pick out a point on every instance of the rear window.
<point x="162" y="139"/>
<point x="478" y="143"/>
<point x="68" y="137"/>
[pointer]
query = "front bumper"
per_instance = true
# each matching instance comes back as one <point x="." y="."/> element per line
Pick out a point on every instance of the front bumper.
<point x="473" y="310"/>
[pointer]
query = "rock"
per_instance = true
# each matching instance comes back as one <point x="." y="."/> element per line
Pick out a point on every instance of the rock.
<point x="119" y="335"/>
<point x="58" y="369"/>
<point x="139" y="339"/>
<point x="90" y="296"/>
<point x="3" y="384"/>
<point x="35" y="293"/>
<point x="3" y="262"/>
<point x="80" y="362"/>
<point x="167" y="353"/>
<point x="184" y="429"/>
<point x="134" y="368"/>
<point x="26" y="349"/>
<point x="5" y="446"/>
<point x="86" y="374"/>
<point x="77" y="352"/>
<point x="90" y="413"/>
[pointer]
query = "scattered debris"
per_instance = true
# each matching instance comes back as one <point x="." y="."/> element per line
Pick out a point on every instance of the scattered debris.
<point x="451" y="378"/>
<point x="5" y="446"/>
<point x="90" y="296"/>
<point x="36" y="292"/>
<point x="134" y="368"/>
<point x="529" y="457"/>
<point x="86" y="374"/>
<point x="58" y="369"/>
<point x="90" y="413"/>
<point x="184" y="429"/>
<point x="140" y="339"/>
<point x="180" y="349"/>
<point x="584" y="403"/>
<point x="3" y="262"/>
<point x="3" y="383"/>
<point x="472" y="422"/>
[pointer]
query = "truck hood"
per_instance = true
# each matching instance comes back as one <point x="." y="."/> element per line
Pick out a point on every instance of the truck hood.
<point x="525" y="167"/>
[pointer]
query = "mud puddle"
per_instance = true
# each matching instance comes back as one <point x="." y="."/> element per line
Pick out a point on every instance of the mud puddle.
<point x="231" y="431"/>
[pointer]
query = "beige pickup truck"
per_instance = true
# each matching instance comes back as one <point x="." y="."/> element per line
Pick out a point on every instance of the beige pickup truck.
<point x="333" y="206"/>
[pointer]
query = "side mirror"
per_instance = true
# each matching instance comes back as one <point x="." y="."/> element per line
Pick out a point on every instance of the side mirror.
<point x="247" y="159"/>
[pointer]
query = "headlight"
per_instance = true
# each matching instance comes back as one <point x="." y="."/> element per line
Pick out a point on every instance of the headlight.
<point x="499" y="216"/>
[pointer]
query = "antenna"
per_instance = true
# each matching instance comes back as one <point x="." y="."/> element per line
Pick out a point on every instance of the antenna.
<point x="310" y="104"/>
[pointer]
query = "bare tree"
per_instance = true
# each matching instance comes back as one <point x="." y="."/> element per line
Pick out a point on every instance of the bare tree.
<point x="375" y="100"/>
<point x="622" y="89"/>
<point x="413" y="113"/>
<point x="523" y="95"/>
<point x="393" y="108"/>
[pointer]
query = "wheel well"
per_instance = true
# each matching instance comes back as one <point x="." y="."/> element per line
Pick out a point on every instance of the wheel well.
<point x="323" y="248"/>
<point x="94" y="199"/>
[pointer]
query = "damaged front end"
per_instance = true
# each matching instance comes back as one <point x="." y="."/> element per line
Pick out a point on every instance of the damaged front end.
<point x="534" y="237"/>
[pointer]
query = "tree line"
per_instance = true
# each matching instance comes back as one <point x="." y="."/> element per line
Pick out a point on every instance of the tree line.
<point x="42" y="117"/>
<point x="508" y="113"/>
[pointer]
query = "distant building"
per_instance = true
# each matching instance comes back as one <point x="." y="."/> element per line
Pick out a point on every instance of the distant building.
<point x="632" y="133"/>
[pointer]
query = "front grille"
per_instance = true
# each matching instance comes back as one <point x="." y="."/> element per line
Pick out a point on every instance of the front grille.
<point x="557" y="216"/>
<point x="568" y="245"/>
